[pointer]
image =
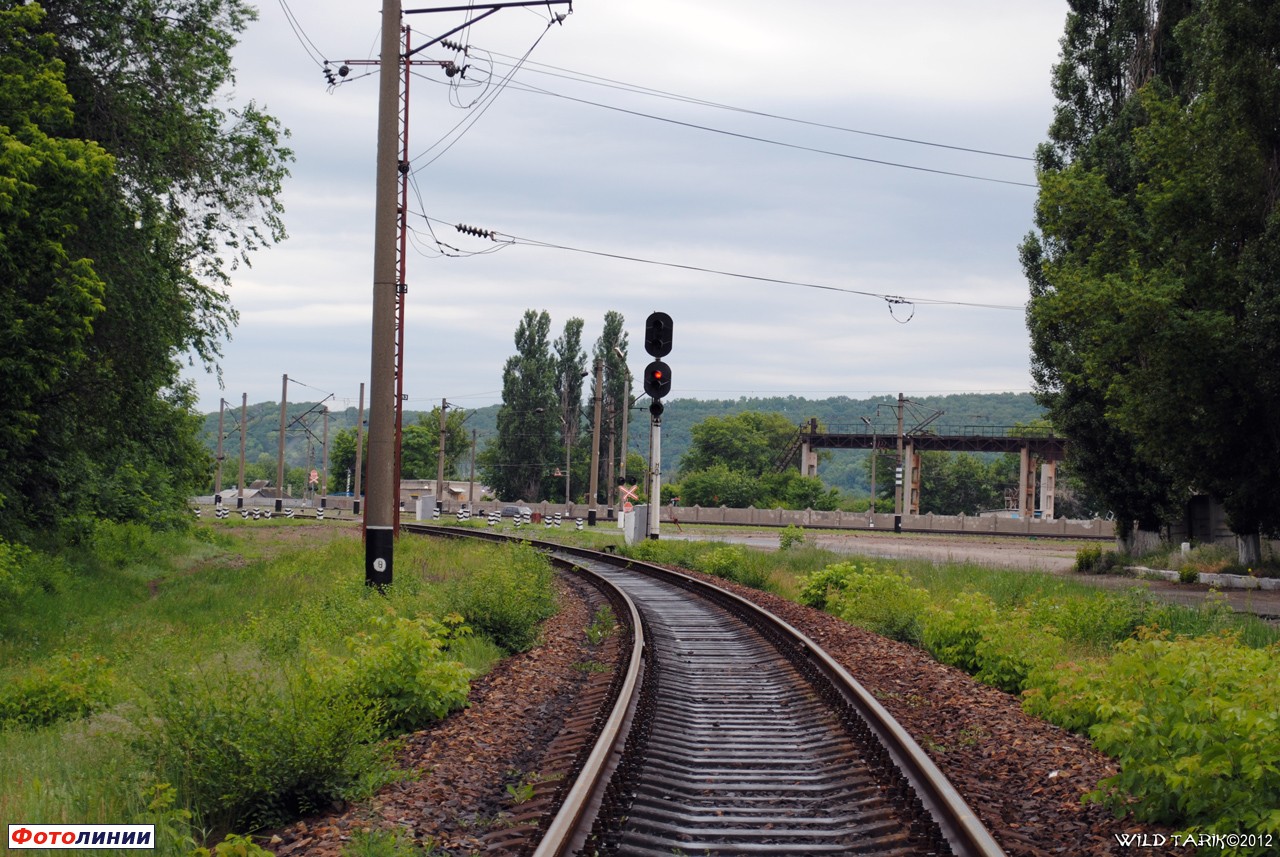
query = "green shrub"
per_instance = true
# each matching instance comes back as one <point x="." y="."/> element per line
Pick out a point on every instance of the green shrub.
<point x="817" y="588"/>
<point x="722" y="561"/>
<point x="952" y="634"/>
<point x="399" y="669"/>
<point x="1087" y="559"/>
<point x="24" y="572"/>
<point x="791" y="536"/>
<point x="15" y="579"/>
<point x="119" y="545"/>
<point x="1094" y="560"/>
<point x="507" y="597"/>
<point x="1069" y="694"/>
<point x="69" y="687"/>
<point x="1194" y="726"/>
<point x="1011" y="649"/>
<point x="882" y="601"/>
<point x="247" y="753"/>
<point x="1100" y="619"/>
<point x="683" y="554"/>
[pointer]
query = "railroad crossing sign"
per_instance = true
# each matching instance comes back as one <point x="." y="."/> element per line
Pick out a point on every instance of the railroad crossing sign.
<point x="629" y="492"/>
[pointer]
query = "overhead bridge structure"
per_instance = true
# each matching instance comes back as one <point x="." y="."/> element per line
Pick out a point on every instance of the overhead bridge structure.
<point x="1038" y="452"/>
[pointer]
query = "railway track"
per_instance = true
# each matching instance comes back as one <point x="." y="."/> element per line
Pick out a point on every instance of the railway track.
<point x="730" y="733"/>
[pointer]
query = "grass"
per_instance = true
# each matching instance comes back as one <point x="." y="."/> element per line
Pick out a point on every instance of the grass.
<point x="223" y="621"/>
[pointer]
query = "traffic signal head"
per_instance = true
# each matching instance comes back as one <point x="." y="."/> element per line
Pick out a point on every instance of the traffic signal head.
<point x="657" y="379"/>
<point x="657" y="334"/>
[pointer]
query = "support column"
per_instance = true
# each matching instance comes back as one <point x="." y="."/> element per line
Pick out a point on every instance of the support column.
<point x="913" y="480"/>
<point x="1025" y="483"/>
<point x="1048" y="483"/>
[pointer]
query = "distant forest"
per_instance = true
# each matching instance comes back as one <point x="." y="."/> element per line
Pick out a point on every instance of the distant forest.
<point x="841" y="469"/>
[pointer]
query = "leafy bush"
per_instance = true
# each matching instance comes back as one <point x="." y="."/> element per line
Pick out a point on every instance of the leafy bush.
<point x="1087" y="559"/>
<point x="817" y="587"/>
<point x="791" y="536"/>
<point x="1100" y="619"/>
<point x="1068" y="694"/>
<point x="1012" y="649"/>
<point x="24" y="572"/>
<point x="952" y="634"/>
<point x="249" y="753"/>
<point x="119" y="545"/>
<point x="683" y="554"/>
<point x="15" y="577"/>
<point x="722" y="561"/>
<point x="400" y="670"/>
<point x="882" y="601"/>
<point x="507" y="598"/>
<point x="68" y="688"/>
<point x="1094" y="560"/>
<point x="1194" y="725"/>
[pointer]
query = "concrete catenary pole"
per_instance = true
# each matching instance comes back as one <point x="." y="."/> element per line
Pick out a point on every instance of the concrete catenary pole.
<point x="217" y="479"/>
<point x="444" y="404"/>
<point x="244" y="416"/>
<point x="355" y="505"/>
<point x="284" y="403"/>
<point x="595" y="446"/>
<point x="381" y="516"/>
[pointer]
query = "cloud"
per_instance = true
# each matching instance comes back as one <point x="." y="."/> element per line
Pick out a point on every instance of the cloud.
<point x="545" y="168"/>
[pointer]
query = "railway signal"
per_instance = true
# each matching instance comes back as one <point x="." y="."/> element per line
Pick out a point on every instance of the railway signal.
<point x="657" y="334"/>
<point x="657" y="379"/>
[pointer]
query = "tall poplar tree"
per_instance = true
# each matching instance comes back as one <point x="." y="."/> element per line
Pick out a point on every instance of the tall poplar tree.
<point x="517" y="463"/>
<point x="612" y="340"/>
<point x="1155" y="272"/>
<point x="571" y="367"/>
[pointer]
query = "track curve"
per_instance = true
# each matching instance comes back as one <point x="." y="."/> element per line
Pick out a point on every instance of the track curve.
<point x="744" y="738"/>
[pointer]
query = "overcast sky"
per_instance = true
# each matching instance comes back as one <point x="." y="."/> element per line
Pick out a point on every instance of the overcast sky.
<point x="536" y="163"/>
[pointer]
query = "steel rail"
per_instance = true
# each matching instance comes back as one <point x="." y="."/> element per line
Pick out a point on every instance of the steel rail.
<point x="959" y="824"/>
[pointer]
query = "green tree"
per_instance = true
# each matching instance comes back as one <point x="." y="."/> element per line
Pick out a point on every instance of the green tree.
<point x="719" y="485"/>
<point x="571" y="368"/>
<point x="420" y="445"/>
<point x="520" y="459"/>
<point x="1153" y="276"/>
<point x="51" y="187"/>
<point x="611" y="351"/>
<point x="193" y="191"/>
<point x="749" y="442"/>
<point x="342" y="457"/>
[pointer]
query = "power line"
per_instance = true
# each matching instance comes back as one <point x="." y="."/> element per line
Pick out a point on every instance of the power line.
<point x="485" y="100"/>
<point x="757" y="139"/>
<point x="582" y="77"/>
<point x="316" y="55"/>
<point x="507" y="240"/>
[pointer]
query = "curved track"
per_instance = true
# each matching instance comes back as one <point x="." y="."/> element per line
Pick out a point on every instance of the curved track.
<point x="734" y="734"/>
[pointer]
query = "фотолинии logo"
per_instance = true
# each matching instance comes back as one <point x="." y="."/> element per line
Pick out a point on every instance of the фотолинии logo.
<point x="76" y="836"/>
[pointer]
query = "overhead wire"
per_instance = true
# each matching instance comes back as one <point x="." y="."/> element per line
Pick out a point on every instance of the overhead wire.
<point x="313" y="52"/>
<point x="595" y="80"/>
<point x="486" y="101"/>
<point x="759" y="139"/>
<point x="503" y="240"/>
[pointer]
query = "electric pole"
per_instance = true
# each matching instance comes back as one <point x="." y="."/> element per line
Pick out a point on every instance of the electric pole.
<point x="284" y="403"/>
<point x="381" y="515"/>
<point x="898" y="474"/>
<point x="595" y="445"/>
<point x="244" y="416"/>
<point x="440" y="456"/>
<point x="217" y="480"/>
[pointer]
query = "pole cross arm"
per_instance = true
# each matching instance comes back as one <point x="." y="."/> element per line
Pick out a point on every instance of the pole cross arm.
<point x="489" y="9"/>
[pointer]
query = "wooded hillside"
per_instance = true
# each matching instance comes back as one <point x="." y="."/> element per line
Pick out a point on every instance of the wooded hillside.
<point x="843" y="469"/>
